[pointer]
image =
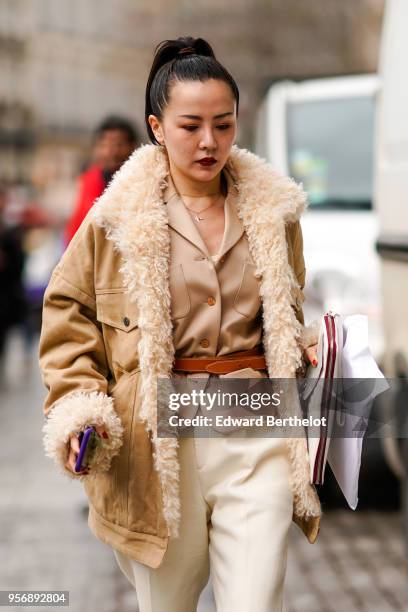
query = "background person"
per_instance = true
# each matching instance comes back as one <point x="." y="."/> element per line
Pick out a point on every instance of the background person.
<point x="13" y="305"/>
<point x="115" y="140"/>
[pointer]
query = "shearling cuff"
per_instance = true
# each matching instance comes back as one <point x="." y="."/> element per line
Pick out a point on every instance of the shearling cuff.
<point x="309" y="334"/>
<point x="72" y="414"/>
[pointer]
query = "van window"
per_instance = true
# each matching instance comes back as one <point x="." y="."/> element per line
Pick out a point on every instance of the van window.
<point x="330" y="150"/>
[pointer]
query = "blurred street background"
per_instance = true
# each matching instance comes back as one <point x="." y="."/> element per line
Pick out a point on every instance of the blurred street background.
<point x="72" y="80"/>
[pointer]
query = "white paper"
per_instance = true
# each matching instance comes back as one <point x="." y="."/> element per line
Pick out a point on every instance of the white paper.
<point x="344" y="455"/>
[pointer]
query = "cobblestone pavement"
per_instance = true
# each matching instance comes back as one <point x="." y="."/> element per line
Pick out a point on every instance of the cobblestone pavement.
<point x="357" y="565"/>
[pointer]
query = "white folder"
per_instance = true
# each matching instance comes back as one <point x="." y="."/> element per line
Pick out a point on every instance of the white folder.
<point x="353" y="359"/>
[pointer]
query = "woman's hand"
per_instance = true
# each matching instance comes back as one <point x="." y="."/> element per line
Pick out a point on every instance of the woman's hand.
<point x="310" y="354"/>
<point x="74" y="450"/>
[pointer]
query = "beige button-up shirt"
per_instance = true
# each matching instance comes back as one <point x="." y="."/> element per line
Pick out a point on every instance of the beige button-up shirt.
<point x="216" y="307"/>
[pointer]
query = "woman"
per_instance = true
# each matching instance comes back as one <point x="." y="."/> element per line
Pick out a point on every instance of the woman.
<point x="194" y="251"/>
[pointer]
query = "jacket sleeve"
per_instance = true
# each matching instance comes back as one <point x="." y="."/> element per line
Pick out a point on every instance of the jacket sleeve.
<point x="310" y="333"/>
<point x="73" y="360"/>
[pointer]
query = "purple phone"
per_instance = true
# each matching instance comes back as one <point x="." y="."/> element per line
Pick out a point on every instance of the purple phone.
<point x="87" y="440"/>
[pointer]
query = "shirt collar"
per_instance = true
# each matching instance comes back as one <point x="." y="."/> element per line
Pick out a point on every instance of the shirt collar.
<point x="180" y="219"/>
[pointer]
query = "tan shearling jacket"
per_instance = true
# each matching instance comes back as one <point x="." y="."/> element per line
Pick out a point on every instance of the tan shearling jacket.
<point x="108" y="335"/>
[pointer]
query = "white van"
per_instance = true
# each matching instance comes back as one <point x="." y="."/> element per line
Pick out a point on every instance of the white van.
<point x="391" y="202"/>
<point x="321" y="132"/>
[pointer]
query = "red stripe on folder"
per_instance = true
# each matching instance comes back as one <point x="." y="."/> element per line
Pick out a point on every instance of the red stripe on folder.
<point x="327" y="393"/>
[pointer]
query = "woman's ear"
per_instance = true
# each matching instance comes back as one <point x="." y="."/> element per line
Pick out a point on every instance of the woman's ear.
<point x="156" y="128"/>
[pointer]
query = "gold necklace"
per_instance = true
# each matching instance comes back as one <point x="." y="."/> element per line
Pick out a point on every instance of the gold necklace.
<point x="196" y="214"/>
<point x="201" y="196"/>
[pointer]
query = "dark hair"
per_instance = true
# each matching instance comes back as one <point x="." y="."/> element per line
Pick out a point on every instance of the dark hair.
<point x="114" y="122"/>
<point x="184" y="59"/>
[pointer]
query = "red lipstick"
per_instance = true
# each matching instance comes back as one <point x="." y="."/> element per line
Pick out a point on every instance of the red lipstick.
<point x="207" y="161"/>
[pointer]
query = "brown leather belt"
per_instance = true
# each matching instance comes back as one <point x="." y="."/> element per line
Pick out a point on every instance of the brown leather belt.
<point x="222" y="364"/>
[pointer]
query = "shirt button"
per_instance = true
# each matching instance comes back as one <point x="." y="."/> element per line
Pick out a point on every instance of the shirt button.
<point x="126" y="322"/>
<point x="204" y="343"/>
<point x="211" y="301"/>
<point x="222" y="259"/>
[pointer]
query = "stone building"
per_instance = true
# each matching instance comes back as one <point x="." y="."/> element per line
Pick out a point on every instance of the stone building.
<point x="65" y="65"/>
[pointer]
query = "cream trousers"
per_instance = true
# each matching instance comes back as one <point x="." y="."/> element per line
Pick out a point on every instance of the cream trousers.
<point x="236" y="511"/>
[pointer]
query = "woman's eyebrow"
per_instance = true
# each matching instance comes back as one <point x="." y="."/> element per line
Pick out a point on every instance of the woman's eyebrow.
<point x="198" y="116"/>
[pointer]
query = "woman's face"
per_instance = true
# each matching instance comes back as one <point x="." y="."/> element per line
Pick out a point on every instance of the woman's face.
<point x="198" y="122"/>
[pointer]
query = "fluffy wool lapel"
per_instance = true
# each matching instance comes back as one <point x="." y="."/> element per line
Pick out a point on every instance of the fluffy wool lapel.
<point x="134" y="217"/>
<point x="267" y="201"/>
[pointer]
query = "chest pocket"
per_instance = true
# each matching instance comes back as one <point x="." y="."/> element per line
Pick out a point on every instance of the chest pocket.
<point x="119" y="319"/>
<point x="180" y="298"/>
<point x="247" y="300"/>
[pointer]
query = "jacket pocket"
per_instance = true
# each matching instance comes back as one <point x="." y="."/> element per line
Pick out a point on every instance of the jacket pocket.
<point x="180" y="298"/>
<point x="108" y="491"/>
<point x="247" y="300"/>
<point x="119" y="319"/>
<point x="145" y="505"/>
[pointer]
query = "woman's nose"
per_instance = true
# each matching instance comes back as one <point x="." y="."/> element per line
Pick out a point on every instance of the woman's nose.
<point x="208" y="140"/>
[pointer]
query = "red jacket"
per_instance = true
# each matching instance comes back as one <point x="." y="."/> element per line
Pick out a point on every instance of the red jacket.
<point x="91" y="186"/>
